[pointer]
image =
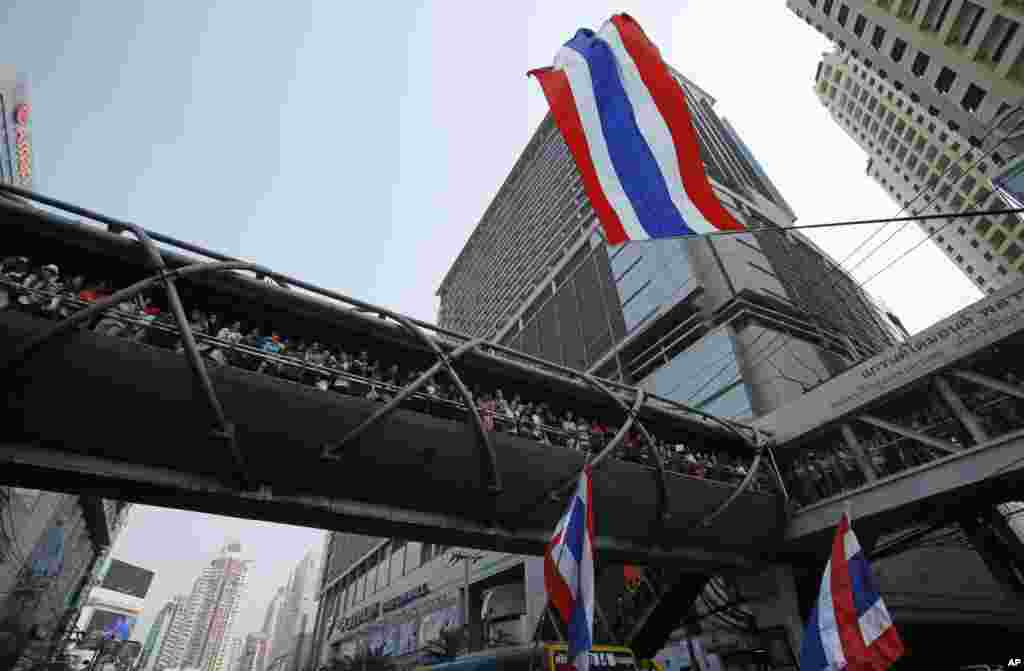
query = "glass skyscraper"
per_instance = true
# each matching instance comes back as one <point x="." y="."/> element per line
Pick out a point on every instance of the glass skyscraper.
<point x="733" y="325"/>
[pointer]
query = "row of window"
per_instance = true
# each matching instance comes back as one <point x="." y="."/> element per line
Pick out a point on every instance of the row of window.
<point x="946" y="192"/>
<point x="385" y="566"/>
<point x="991" y="48"/>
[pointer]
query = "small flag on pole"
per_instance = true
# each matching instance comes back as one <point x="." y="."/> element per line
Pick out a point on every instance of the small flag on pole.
<point x="627" y="124"/>
<point x="569" y="572"/>
<point x="849" y="627"/>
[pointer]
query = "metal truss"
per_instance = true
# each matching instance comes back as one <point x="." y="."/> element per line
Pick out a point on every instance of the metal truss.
<point x="224" y="430"/>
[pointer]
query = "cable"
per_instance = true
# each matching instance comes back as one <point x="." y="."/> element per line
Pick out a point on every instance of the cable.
<point x="902" y="256"/>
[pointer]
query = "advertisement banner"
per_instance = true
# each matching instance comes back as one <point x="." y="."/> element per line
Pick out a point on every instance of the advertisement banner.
<point x="974" y="328"/>
<point x="436" y="622"/>
<point x="408" y="636"/>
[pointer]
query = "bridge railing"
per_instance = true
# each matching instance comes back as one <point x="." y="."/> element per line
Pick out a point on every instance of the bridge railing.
<point x="962" y="407"/>
<point x="337" y="377"/>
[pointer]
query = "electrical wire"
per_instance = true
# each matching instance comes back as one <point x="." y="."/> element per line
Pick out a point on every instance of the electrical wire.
<point x="920" y="194"/>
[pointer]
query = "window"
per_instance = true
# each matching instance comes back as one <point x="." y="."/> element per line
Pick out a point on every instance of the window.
<point x="844" y="14"/>
<point x="966" y="23"/>
<point x="959" y="257"/>
<point x="827" y="7"/>
<point x="1001" y="270"/>
<point x="968" y="185"/>
<point x="945" y="80"/>
<point x="878" y="37"/>
<point x="969" y="269"/>
<point x="998" y="238"/>
<point x="988" y="256"/>
<point x="1013" y="252"/>
<point x="997" y="38"/>
<point x="859" y="25"/>
<point x="972" y="99"/>
<point x="921" y="62"/>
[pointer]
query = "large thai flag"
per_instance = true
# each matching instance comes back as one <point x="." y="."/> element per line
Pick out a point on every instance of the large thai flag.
<point x="626" y="122"/>
<point x="850" y="627"/>
<point x="569" y="572"/>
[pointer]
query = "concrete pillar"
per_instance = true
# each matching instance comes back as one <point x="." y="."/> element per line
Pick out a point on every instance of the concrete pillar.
<point x="774" y="602"/>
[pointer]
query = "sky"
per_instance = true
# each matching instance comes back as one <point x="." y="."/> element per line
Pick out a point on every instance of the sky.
<point x="356" y="145"/>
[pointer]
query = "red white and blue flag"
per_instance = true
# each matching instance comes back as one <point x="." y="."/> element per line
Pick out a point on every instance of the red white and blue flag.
<point x="849" y="627"/>
<point x="626" y="121"/>
<point x="569" y="572"/>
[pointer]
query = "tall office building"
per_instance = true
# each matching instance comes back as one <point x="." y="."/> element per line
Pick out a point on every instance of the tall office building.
<point x="962" y="61"/>
<point x="15" y="129"/>
<point x="157" y="635"/>
<point x="174" y="643"/>
<point x="269" y="630"/>
<point x="734" y="325"/>
<point x="927" y="167"/>
<point x="216" y="596"/>
<point x="295" y="613"/>
<point x="253" y="652"/>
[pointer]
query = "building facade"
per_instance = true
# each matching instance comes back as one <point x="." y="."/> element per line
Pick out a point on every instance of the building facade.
<point x="15" y="129"/>
<point x="179" y="630"/>
<point x="733" y="325"/>
<point x="926" y="168"/>
<point x="962" y="61"/>
<point x="253" y="652"/>
<point x="52" y="553"/>
<point x="295" y="613"/>
<point x="157" y="635"/>
<point x="216" y="596"/>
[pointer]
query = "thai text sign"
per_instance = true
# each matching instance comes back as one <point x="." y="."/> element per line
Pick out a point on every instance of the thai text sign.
<point x="21" y="141"/>
<point x="974" y="328"/>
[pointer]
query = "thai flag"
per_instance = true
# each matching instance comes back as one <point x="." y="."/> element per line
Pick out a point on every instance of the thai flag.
<point x="569" y="572"/>
<point x="850" y="627"/>
<point x="626" y="122"/>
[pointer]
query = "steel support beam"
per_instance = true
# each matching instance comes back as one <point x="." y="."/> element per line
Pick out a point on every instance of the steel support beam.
<point x="863" y="461"/>
<point x="937" y="443"/>
<point x="32" y="464"/>
<point x="960" y="411"/>
<point x="990" y="382"/>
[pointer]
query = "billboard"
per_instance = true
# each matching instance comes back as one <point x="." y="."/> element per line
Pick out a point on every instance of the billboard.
<point x="990" y="320"/>
<point x="127" y="579"/>
<point x="110" y="625"/>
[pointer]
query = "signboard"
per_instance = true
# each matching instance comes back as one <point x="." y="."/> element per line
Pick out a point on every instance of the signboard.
<point x="362" y="616"/>
<point x="111" y="625"/>
<point x="599" y="661"/>
<point x="405" y="599"/>
<point x="22" y="143"/>
<point x="127" y="579"/>
<point x="974" y="328"/>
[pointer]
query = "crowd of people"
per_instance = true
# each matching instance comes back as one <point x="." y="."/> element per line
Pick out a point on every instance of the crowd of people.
<point x="817" y="474"/>
<point x="42" y="290"/>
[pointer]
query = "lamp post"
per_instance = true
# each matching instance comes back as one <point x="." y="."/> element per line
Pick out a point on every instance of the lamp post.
<point x="466" y="558"/>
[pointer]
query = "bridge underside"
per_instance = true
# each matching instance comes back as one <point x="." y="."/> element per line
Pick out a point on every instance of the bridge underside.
<point x="118" y="419"/>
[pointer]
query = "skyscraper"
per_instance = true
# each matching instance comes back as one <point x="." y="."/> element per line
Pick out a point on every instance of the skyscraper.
<point x="174" y="643"/>
<point x="962" y="61"/>
<point x="215" y="599"/>
<point x="269" y="631"/>
<point x="295" y="612"/>
<point x="157" y="635"/>
<point x="925" y="166"/>
<point x="253" y="652"/>
<point x="733" y="325"/>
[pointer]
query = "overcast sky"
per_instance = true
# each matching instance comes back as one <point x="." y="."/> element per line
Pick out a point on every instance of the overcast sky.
<point x="356" y="145"/>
